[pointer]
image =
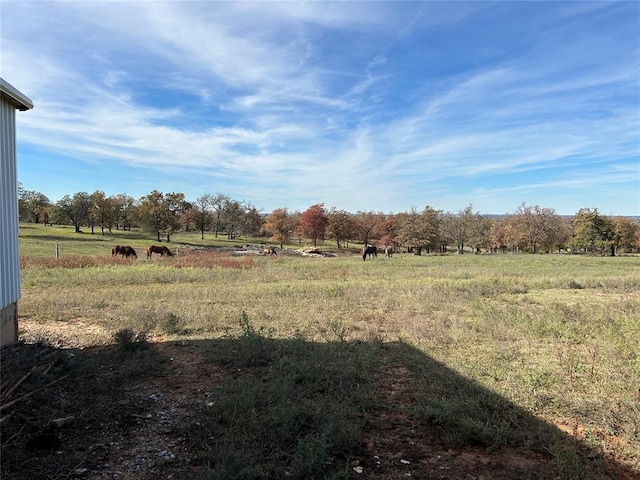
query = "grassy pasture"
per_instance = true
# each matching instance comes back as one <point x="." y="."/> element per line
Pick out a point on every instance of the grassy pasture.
<point x="39" y="240"/>
<point x="492" y="347"/>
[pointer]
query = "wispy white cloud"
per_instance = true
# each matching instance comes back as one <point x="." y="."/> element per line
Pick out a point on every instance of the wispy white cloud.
<point x="347" y="103"/>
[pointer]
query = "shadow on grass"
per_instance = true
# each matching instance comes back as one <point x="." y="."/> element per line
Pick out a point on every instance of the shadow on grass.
<point x="256" y="407"/>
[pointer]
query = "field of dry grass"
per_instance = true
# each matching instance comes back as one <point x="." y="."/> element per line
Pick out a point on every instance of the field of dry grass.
<point x="532" y="358"/>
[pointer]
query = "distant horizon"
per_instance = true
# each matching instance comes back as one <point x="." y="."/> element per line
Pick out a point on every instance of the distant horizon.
<point x="363" y="106"/>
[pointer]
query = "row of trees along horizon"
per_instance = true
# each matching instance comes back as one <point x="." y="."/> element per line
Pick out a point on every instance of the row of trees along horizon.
<point x="531" y="229"/>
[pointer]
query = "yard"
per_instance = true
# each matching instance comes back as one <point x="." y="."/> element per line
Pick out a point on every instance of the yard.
<point x="214" y="365"/>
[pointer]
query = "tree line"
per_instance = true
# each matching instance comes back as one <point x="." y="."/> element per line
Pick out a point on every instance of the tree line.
<point x="529" y="228"/>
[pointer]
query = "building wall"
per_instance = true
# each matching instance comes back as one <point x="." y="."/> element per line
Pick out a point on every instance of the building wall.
<point x="9" y="256"/>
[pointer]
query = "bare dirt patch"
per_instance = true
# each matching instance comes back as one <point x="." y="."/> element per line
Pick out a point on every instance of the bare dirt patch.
<point x="75" y="333"/>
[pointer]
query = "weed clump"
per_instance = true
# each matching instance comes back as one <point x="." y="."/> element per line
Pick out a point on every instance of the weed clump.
<point x="172" y="324"/>
<point x="129" y="341"/>
<point x="255" y="343"/>
<point x="574" y="285"/>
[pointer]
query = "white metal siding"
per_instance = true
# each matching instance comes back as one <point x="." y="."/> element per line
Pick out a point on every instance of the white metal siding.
<point x="9" y="257"/>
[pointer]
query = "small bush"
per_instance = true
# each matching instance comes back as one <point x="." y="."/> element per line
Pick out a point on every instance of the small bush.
<point x="339" y="329"/>
<point x="128" y="341"/>
<point x="172" y="324"/>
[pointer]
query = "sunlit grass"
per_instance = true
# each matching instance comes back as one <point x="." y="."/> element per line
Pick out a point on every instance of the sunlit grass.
<point x="555" y="334"/>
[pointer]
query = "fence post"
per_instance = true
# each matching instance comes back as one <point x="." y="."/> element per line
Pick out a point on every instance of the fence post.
<point x="57" y="252"/>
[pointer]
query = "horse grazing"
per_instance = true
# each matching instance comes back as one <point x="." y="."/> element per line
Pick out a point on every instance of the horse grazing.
<point x="369" y="250"/>
<point x="124" y="250"/>
<point x="270" y="251"/>
<point x="151" y="249"/>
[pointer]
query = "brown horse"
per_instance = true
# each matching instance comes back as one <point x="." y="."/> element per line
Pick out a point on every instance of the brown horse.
<point x="369" y="250"/>
<point x="124" y="250"/>
<point x="151" y="249"/>
<point x="270" y="251"/>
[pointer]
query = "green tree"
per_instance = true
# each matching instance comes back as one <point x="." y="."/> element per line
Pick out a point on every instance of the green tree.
<point x="152" y="213"/>
<point x="33" y="206"/>
<point x="175" y="207"/>
<point x="102" y="211"/>
<point x="125" y="208"/>
<point x="75" y="209"/>
<point x="593" y="232"/>
<point x="626" y="234"/>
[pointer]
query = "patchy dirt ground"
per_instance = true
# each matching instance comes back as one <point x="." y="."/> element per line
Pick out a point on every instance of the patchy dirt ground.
<point x="143" y="443"/>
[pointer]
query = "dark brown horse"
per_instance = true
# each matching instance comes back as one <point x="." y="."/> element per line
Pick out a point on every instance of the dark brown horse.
<point x="124" y="250"/>
<point x="151" y="249"/>
<point x="369" y="250"/>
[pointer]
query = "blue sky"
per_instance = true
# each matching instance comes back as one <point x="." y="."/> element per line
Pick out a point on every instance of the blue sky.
<point x="363" y="106"/>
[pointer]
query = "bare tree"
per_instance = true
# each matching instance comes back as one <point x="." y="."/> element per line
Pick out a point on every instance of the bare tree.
<point x="462" y="227"/>
<point x="218" y="202"/>
<point x="251" y="221"/>
<point x="202" y="213"/>
<point x="232" y="215"/>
